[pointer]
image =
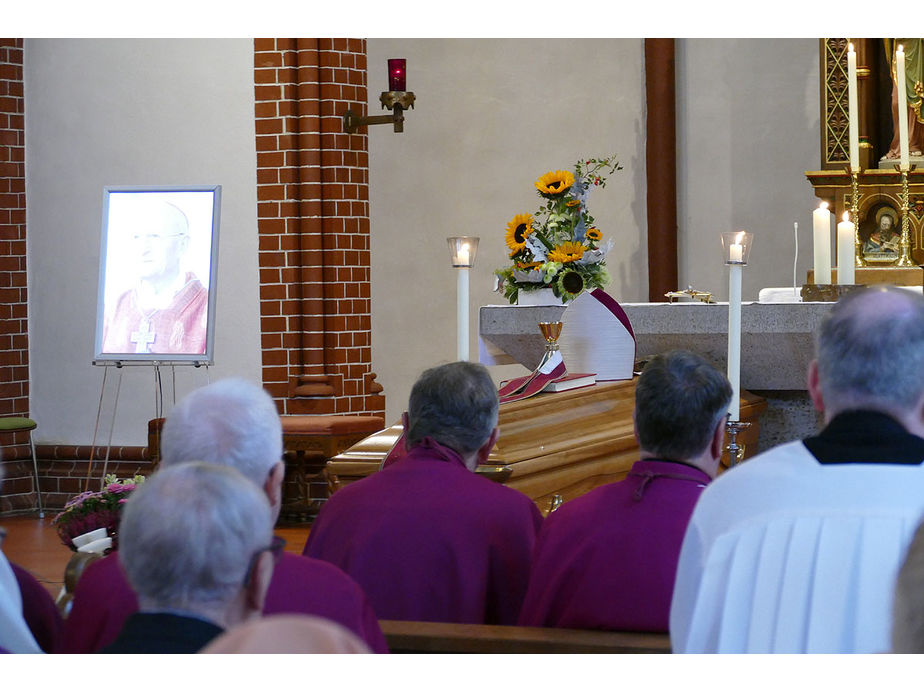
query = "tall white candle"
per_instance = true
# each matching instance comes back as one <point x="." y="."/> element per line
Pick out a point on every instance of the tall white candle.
<point x="463" y="254"/>
<point x="853" y="112"/>
<point x="902" y="106"/>
<point x="846" y="251"/>
<point x="735" y="252"/>
<point x="821" y="227"/>
<point x="462" y="314"/>
<point x="734" y="338"/>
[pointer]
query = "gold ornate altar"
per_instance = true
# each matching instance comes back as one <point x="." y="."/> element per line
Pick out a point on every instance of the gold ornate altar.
<point x="879" y="189"/>
<point x="553" y="447"/>
<point x="879" y="185"/>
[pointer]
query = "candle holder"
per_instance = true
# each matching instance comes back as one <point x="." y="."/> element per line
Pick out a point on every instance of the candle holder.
<point x="462" y="249"/>
<point x="737" y="247"/>
<point x="904" y="259"/>
<point x="859" y="260"/>
<point x="735" y="451"/>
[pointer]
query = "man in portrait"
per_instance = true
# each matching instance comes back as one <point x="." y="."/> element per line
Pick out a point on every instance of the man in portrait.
<point x="884" y="240"/>
<point x="166" y="311"/>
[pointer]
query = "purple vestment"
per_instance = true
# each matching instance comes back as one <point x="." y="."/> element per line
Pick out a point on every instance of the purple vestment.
<point x="428" y="540"/>
<point x="39" y="610"/>
<point x="103" y="600"/>
<point x="607" y="560"/>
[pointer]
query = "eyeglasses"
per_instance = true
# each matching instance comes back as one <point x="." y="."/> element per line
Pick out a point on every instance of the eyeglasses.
<point x="275" y="548"/>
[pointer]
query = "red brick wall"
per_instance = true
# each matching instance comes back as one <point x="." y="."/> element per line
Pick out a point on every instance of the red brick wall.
<point x="14" y="338"/>
<point x="313" y="221"/>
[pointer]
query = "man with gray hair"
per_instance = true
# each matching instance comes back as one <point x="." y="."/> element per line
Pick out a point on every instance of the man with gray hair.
<point x="196" y="541"/>
<point x="607" y="560"/>
<point x="426" y="538"/>
<point x="233" y="423"/>
<point x="797" y="549"/>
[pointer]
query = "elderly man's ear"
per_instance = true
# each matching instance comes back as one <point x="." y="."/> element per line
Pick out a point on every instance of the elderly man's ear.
<point x="814" y="386"/>
<point x="259" y="583"/>
<point x="272" y="487"/>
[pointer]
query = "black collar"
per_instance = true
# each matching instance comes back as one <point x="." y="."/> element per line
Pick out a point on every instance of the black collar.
<point x="865" y="436"/>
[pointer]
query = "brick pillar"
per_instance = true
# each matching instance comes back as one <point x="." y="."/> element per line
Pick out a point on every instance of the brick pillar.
<point x="18" y="490"/>
<point x="313" y="223"/>
<point x="14" y="336"/>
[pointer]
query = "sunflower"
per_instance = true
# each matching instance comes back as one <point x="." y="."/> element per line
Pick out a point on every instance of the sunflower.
<point x="593" y="234"/>
<point x="572" y="203"/>
<point x="527" y="265"/>
<point x="518" y="229"/>
<point x="555" y="183"/>
<point x="570" y="284"/>
<point x="569" y="251"/>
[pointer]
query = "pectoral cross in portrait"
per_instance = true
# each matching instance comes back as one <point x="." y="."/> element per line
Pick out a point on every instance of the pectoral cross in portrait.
<point x="142" y="337"/>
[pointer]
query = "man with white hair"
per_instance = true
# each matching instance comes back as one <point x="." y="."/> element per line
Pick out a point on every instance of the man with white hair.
<point x="797" y="549"/>
<point x="166" y="311"/>
<point x="235" y="423"/>
<point x="196" y="541"/>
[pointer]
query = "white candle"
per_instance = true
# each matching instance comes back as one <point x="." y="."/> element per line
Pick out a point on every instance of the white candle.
<point x="902" y="107"/>
<point x="853" y="125"/>
<point x="462" y="314"/>
<point x="821" y="226"/>
<point x="463" y="254"/>
<point x="734" y="338"/>
<point x="735" y="252"/>
<point x="846" y="244"/>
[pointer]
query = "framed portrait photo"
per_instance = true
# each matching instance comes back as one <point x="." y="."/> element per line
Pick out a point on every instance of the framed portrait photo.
<point x="158" y="266"/>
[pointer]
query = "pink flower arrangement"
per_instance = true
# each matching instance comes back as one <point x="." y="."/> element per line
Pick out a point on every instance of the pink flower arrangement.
<point x="94" y="510"/>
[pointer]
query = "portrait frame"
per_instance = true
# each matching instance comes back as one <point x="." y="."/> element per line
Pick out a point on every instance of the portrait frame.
<point x="124" y="267"/>
<point x="871" y="228"/>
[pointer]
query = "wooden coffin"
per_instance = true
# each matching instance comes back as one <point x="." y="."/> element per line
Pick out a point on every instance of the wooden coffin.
<point x="553" y="447"/>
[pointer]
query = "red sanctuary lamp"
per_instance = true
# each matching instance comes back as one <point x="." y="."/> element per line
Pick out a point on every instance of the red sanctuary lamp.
<point x="397" y="75"/>
<point x="396" y="99"/>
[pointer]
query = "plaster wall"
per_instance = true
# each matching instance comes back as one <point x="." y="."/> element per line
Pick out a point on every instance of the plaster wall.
<point x="130" y="112"/>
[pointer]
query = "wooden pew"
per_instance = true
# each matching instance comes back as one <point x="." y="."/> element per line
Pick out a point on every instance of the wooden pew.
<point x="415" y="637"/>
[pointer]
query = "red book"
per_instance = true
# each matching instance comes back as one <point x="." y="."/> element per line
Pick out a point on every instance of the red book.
<point x="571" y="381"/>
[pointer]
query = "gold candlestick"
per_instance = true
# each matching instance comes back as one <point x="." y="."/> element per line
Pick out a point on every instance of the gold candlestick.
<point x="905" y="245"/>
<point x="735" y="451"/>
<point x="859" y="260"/>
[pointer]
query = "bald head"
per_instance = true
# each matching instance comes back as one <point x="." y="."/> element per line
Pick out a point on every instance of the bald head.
<point x="870" y="352"/>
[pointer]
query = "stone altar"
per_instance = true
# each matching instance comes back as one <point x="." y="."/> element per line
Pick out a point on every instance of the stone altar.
<point x="777" y="344"/>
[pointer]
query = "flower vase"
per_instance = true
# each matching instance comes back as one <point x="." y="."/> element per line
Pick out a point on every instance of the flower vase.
<point x="539" y="297"/>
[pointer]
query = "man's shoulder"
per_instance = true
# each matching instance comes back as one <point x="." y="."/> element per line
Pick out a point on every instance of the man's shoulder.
<point x="299" y="567"/>
<point x="296" y="571"/>
<point x="743" y="489"/>
<point x="104" y="574"/>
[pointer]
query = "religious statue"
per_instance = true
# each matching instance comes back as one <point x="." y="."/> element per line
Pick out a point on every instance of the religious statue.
<point x="914" y="88"/>
<point x="882" y="243"/>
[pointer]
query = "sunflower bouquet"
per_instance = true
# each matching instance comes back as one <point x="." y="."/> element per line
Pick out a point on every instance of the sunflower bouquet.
<point x="558" y="247"/>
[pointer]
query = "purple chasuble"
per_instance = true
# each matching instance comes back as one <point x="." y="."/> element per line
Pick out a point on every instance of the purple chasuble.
<point x="607" y="560"/>
<point x="103" y="601"/>
<point x="39" y="610"/>
<point x="428" y="540"/>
